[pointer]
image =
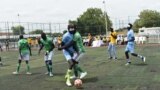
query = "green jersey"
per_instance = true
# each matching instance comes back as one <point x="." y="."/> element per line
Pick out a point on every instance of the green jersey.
<point x="23" y="45"/>
<point x="79" y="43"/>
<point x="47" y="43"/>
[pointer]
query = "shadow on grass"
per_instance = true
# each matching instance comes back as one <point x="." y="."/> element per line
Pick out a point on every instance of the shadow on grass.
<point x="140" y="64"/>
<point x="120" y="59"/>
<point x="59" y="74"/>
<point x="91" y="79"/>
<point x="4" y="65"/>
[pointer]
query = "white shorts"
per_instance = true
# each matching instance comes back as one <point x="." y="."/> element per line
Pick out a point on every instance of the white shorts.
<point x="49" y="56"/>
<point x="67" y="55"/>
<point x="24" y="57"/>
<point x="78" y="56"/>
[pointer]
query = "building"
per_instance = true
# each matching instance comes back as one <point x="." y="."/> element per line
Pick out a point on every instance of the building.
<point x="152" y="34"/>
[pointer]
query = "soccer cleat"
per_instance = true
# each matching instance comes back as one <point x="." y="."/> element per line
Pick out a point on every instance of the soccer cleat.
<point x="47" y="73"/>
<point x="50" y="74"/>
<point x="128" y="63"/>
<point x="28" y="73"/>
<point x="73" y="77"/>
<point x="143" y="59"/>
<point x="15" y="72"/>
<point x="68" y="83"/>
<point x="83" y="75"/>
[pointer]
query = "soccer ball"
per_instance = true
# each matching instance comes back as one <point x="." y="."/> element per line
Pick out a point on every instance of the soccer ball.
<point x="78" y="83"/>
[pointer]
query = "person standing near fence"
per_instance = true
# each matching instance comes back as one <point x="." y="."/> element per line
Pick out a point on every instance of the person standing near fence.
<point x="130" y="46"/>
<point x="112" y="44"/>
<point x="7" y="45"/>
<point x="24" y="53"/>
<point x="0" y="56"/>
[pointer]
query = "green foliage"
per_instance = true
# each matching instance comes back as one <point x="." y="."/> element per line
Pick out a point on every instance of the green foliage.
<point x="37" y="31"/>
<point x="17" y="30"/>
<point x="92" y="21"/>
<point x="136" y="25"/>
<point x="147" y="18"/>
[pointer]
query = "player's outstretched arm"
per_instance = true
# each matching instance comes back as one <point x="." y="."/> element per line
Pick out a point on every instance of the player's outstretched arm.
<point x="68" y="45"/>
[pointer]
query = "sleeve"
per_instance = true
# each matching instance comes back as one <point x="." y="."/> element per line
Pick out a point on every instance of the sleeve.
<point x="76" y="37"/>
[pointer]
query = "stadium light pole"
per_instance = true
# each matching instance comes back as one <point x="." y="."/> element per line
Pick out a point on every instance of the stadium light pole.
<point x="105" y="16"/>
<point x="19" y="24"/>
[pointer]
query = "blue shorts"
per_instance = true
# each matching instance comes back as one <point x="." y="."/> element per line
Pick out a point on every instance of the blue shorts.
<point x="130" y="47"/>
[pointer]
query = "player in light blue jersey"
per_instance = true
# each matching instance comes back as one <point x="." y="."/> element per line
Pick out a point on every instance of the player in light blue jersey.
<point x="68" y="52"/>
<point x="130" y="45"/>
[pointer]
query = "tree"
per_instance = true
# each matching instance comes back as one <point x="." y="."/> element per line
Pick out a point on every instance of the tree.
<point x="147" y="18"/>
<point x="92" y="21"/>
<point x="37" y="31"/>
<point x="17" y="30"/>
<point x="136" y="25"/>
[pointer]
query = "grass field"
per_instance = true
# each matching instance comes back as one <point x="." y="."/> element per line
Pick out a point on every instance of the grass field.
<point x="103" y="74"/>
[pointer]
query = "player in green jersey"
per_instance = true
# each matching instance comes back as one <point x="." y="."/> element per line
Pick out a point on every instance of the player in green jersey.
<point x="80" y="51"/>
<point x="24" y="53"/>
<point x="49" y="46"/>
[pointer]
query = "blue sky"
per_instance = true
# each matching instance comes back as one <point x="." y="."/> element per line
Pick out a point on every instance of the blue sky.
<point x="60" y="11"/>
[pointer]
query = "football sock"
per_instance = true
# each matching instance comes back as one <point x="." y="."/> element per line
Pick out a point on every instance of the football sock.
<point x="28" y="68"/>
<point x="68" y="73"/>
<point x="18" y="67"/>
<point x="79" y="68"/>
<point x="75" y="71"/>
<point x="50" y="68"/>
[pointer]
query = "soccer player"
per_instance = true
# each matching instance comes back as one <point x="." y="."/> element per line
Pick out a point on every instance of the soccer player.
<point x="130" y="46"/>
<point x="80" y="51"/>
<point x="112" y="47"/>
<point x="24" y="53"/>
<point x="77" y="44"/>
<point x="49" y="46"/>
<point x="68" y="52"/>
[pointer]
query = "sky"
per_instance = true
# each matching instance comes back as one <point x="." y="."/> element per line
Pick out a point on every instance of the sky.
<point x="60" y="11"/>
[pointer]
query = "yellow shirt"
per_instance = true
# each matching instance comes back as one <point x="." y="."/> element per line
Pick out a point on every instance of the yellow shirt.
<point x="113" y="40"/>
<point x="29" y="40"/>
<point x="59" y="40"/>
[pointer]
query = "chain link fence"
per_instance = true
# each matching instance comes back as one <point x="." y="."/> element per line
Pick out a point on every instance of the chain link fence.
<point x="6" y="33"/>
